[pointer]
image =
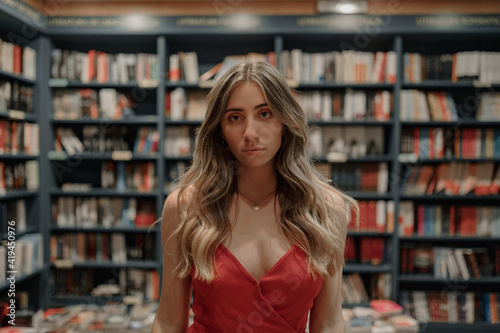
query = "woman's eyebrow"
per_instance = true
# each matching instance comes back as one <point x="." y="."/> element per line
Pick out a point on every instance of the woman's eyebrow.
<point x="241" y="110"/>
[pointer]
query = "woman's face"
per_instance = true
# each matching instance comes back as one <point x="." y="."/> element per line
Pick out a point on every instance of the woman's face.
<point x="252" y="131"/>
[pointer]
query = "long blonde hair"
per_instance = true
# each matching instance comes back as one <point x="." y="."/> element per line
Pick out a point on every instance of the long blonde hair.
<point x="309" y="216"/>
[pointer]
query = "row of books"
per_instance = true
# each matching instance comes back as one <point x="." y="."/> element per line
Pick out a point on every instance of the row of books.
<point x="182" y="105"/>
<point x="18" y="176"/>
<point x="15" y="96"/>
<point x="23" y="258"/>
<point x="110" y="317"/>
<point x="17" y="59"/>
<point x="183" y="66"/>
<point x="355" y="291"/>
<point x="107" y="103"/>
<point x="16" y="211"/>
<point x="476" y="143"/>
<point x="418" y="105"/>
<point x="454" y="178"/>
<point x="91" y="139"/>
<point x="133" y="176"/>
<point x="118" y="248"/>
<point x="19" y="138"/>
<point x="437" y="142"/>
<point x="456" y="67"/>
<point x="465" y="263"/>
<point x="451" y="306"/>
<point x="147" y="140"/>
<point x="105" y="212"/>
<point x="368" y="250"/>
<point x="351" y="105"/>
<point x="374" y="216"/>
<point x="97" y="139"/>
<point x="101" y="67"/>
<point x="330" y="142"/>
<point x="489" y="107"/>
<point x="368" y="177"/>
<point x="345" y="66"/>
<point x="339" y="143"/>
<point x="179" y="141"/>
<point x="441" y="220"/>
<point x="450" y="262"/>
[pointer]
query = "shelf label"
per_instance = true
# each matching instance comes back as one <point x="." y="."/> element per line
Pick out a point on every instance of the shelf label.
<point x="408" y="158"/>
<point x="57" y="155"/>
<point x="292" y="83"/>
<point x="58" y="82"/>
<point x="479" y="84"/>
<point x="64" y="263"/>
<point x="130" y="300"/>
<point x="207" y="84"/>
<point x="148" y="83"/>
<point x="15" y="114"/>
<point x="336" y="157"/>
<point x="121" y="155"/>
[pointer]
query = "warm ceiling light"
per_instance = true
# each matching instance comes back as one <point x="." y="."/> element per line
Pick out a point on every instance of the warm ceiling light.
<point x="342" y="7"/>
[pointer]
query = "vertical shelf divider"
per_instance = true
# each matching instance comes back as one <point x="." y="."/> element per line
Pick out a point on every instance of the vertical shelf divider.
<point x="394" y="175"/>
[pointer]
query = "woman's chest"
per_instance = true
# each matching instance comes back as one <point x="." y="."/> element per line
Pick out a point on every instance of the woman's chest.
<point x="257" y="242"/>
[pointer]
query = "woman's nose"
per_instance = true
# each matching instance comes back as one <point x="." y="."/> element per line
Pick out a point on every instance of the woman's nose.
<point x="251" y="132"/>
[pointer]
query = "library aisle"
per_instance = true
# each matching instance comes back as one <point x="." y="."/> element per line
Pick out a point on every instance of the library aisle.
<point x="99" y="111"/>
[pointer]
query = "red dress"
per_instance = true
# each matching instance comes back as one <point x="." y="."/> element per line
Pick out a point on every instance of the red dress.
<point x="234" y="302"/>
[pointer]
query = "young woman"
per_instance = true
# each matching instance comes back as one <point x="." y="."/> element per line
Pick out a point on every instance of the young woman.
<point x="253" y="229"/>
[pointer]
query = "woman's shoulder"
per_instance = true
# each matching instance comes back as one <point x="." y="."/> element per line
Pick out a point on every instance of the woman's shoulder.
<point x="334" y="196"/>
<point x="179" y="198"/>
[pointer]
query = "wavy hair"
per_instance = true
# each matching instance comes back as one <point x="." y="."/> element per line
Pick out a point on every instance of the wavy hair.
<point x="309" y="216"/>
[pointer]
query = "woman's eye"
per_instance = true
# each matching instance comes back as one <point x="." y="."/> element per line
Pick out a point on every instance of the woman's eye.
<point x="234" y="118"/>
<point x="266" y="114"/>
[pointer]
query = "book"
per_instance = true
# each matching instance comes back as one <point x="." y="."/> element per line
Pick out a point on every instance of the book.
<point x="386" y="308"/>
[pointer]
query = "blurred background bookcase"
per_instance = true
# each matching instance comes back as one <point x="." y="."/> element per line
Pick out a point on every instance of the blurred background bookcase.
<point x="212" y="39"/>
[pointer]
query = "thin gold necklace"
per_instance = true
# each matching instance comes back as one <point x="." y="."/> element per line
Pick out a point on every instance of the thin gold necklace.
<point x="255" y="204"/>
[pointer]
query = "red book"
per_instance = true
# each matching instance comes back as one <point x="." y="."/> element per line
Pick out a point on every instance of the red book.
<point x="363" y="216"/>
<point x="468" y="221"/>
<point x="13" y="140"/>
<point x="350" y="250"/>
<point x="445" y="111"/>
<point x="155" y="285"/>
<point x="102" y="67"/>
<point x="91" y="61"/>
<point x="372" y="215"/>
<point x="416" y="140"/>
<point x="18" y="59"/>
<point x="431" y="142"/>
<point x="420" y="220"/>
<point x="386" y="307"/>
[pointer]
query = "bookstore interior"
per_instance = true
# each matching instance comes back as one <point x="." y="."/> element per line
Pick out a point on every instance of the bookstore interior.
<point x="100" y="102"/>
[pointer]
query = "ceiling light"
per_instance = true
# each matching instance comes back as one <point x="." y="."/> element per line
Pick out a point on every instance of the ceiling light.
<point x="342" y="6"/>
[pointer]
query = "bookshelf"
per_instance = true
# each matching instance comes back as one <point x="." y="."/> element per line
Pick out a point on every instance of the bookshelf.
<point x="212" y="39"/>
<point x="110" y="172"/>
<point x="21" y="233"/>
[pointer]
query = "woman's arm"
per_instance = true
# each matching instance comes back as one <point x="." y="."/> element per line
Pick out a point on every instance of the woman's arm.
<point x="172" y="315"/>
<point x="326" y="313"/>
